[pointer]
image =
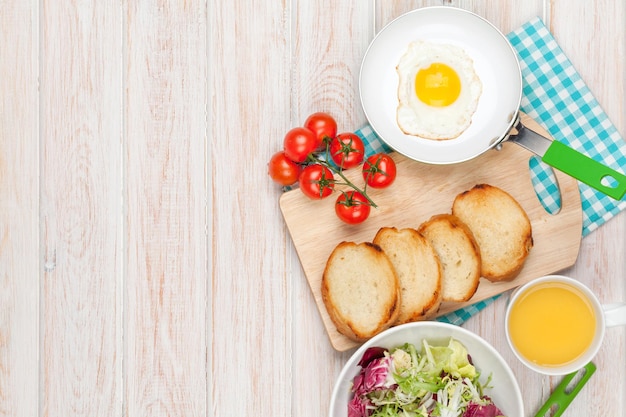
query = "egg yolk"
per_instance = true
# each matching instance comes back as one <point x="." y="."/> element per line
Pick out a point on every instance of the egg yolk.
<point x="438" y="85"/>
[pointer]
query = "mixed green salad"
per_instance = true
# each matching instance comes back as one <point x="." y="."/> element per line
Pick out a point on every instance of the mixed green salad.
<point x="435" y="381"/>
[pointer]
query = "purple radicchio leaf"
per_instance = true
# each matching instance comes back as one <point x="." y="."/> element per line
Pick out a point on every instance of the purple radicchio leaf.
<point x="372" y="377"/>
<point x="371" y="354"/>
<point x="359" y="406"/>
<point x="476" y="410"/>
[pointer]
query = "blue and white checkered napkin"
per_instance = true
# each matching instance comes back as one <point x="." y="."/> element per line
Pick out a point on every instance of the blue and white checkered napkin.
<point x="556" y="97"/>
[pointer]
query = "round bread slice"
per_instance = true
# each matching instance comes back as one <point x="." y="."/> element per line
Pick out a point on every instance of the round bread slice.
<point x="458" y="253"/>
<point x="360" y="290"/>
<point x="418" y="269"/>
<point x="501" y="228"/>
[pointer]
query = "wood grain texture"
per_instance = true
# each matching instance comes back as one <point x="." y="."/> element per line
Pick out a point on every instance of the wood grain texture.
<point x="19" y="209"/>
<point x="145" y="269"/>
<point x="250" y="109"/>
<point x="165" y="240"/>
<point x="80" y="209"/>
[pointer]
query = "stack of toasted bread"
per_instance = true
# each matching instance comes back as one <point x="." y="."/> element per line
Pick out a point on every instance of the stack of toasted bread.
<point x="404" y="275"/>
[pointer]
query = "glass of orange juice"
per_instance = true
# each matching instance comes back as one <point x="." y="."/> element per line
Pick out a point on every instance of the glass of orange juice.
<point x="555" y="324"/>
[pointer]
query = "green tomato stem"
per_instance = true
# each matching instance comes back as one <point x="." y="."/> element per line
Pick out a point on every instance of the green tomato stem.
<point x="315" y="159"/>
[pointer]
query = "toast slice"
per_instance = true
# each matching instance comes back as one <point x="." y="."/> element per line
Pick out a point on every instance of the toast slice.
<point x="458" y="253"/>
<point x="501" y="228"/>
<point x="418" y="270"/>
<point x="360" y="290"/>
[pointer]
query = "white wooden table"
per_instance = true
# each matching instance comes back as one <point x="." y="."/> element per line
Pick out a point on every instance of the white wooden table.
<point x="145" y="268"/>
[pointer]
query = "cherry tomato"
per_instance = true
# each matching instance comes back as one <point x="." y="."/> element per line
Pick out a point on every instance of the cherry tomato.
<point x="379" y="171"/>
<point x="299" y="143"/>
<point x="347" y="150"/>
<point x="323" y="125"/>
<point x="352" y="207"/>
<point x="317" y="181"/>
<point x="282" y="169"/>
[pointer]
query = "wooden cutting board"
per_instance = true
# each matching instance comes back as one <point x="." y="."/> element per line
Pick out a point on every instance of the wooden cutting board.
<point x="423" y="190"/>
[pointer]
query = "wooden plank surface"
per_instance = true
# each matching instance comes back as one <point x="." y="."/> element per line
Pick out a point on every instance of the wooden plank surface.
<point x="81" y="230"/>
<point x="251" y="69"/>
<point x="19" y="209"/>
<point x="145" y="268"/>
<point x="164" y="200"/>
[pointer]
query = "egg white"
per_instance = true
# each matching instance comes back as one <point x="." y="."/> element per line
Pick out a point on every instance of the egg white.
<point x="416" y="118"/>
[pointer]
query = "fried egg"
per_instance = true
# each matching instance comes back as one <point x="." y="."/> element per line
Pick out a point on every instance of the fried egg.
<point x="438" y="90"/>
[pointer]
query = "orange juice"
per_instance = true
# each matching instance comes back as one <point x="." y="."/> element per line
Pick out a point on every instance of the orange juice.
<point x="552" y="324"/>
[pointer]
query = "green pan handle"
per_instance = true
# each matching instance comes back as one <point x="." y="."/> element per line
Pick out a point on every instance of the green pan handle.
<point x="562" y="396"/>
<point x="585" y="169"/>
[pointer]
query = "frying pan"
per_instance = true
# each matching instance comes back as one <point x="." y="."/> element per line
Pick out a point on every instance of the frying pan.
<point x="497" y="116"/>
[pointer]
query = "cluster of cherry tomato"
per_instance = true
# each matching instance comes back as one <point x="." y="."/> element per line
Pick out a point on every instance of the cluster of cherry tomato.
<point x="314" y="155"/>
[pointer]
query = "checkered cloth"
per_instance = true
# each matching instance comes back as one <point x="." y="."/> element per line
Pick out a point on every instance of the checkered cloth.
<point x="557" y="98"/>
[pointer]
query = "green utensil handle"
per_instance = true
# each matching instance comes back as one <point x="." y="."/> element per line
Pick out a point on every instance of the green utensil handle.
<point x="562" y="397"/>
<point x="585" y="169"/>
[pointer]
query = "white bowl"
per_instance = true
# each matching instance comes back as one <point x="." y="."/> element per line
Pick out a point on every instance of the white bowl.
<point x="505" y="391"/>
